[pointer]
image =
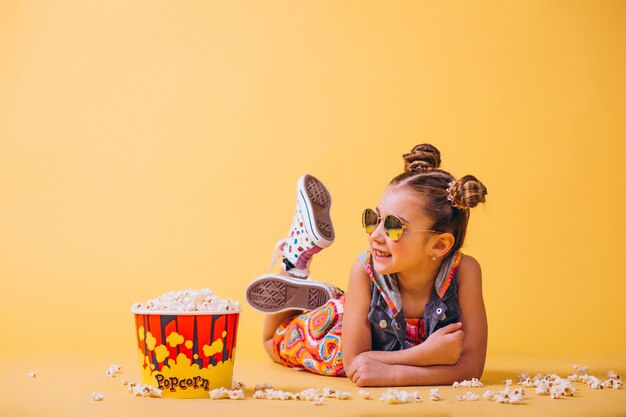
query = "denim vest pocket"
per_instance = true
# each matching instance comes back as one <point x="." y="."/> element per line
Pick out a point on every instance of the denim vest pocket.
<point x="387" y="332"/>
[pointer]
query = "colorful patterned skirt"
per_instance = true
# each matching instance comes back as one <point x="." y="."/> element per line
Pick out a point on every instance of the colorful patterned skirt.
<point x="312" y="340"/>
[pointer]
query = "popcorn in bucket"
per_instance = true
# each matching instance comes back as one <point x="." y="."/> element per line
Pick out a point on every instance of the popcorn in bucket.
<point x="187" y="342"/>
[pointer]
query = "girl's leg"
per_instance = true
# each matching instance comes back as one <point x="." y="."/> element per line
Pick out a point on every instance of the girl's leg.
<point x="285" y="295"/>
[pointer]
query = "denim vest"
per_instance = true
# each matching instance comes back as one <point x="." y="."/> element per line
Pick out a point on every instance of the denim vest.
<point x="385" y="316"/>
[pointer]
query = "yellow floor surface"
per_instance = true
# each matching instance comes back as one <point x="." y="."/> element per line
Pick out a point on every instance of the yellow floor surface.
<point x="63" y="387"/>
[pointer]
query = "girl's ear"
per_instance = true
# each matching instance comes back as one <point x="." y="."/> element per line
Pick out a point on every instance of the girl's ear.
<point x="442" y="244"/>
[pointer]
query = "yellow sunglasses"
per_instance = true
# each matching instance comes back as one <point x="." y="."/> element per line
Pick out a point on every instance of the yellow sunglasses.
<point x="394" y="228"/>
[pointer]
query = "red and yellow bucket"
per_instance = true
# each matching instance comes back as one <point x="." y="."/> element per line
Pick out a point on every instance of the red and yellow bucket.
<point x="186" y="354"/>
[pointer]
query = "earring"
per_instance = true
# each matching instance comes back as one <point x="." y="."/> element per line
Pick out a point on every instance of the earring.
<point x="434" y="258"/>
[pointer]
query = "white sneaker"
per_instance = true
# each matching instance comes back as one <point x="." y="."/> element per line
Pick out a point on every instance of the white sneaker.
<point x="311" y="228"/>
<point x="275" y="293"/>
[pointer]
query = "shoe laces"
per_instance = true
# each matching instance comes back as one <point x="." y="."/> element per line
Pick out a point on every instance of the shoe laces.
<point x="278" y="250"/>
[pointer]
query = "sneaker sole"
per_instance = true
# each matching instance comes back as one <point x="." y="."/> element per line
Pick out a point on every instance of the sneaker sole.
<point x="274" y="293"/>
<point x="314" y="201"/>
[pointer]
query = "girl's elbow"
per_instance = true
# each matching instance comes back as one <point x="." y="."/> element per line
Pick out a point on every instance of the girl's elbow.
<point x="467" y="371"/>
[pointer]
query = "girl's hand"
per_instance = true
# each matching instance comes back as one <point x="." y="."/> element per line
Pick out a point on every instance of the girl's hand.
<point x="367" y="372"/>
<point x="444" y="346"/>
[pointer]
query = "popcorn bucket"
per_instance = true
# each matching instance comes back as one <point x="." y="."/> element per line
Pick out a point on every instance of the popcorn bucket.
<point x="186" y="354"/>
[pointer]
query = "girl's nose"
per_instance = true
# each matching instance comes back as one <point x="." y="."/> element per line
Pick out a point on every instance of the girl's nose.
<point x="378" y="235"/>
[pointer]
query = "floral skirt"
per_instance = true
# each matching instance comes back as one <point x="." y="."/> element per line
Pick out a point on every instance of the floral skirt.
<point x="312" y="340"/>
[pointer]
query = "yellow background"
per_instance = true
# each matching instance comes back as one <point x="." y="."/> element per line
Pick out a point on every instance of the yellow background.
<point x="153" y="146"/>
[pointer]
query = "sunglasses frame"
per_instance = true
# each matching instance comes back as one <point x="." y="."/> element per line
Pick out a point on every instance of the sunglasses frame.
<point x="387" y="229"/>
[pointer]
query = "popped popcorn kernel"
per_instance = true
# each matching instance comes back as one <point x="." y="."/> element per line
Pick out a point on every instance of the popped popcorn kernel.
<point x="319" y="401"/>
<point x="144" y="390"/>
<point x="581" y="369"/>
<point x="97" y="396"/>
<point x="113" y="370"/>
<point x="433" y="395"/>
<point x="508" y="382"/>
<point x="488" y="395"/>
<point x="237" y="385"/>
<point x="236" y="394"/>
<point x="593" y="382"/>
<point x="218" y="393"/>
<point x="527" y="383"/>
<point x="364" y="394"/>
<point x="613" y="375"/>
<point x="31" y="374"/>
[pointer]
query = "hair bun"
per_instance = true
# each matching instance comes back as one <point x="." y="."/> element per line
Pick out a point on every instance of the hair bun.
<point x="467" y="192"/>
<point x="424" y="156"/>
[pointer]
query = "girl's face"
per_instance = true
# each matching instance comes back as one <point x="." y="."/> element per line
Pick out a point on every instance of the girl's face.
<point x="412" y="251"/>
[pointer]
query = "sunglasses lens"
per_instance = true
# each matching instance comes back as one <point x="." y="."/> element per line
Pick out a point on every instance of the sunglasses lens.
<point x="370" y="220"/>
<point x="393" y="227"/>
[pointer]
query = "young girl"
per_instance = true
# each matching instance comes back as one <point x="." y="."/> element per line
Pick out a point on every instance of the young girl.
<point x="414" y="311"/>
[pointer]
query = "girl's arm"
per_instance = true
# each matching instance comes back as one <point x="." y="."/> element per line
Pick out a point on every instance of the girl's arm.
<point x="443" y="347"/>
<point x="367" y="370"/>
<point x="356" y="333"/>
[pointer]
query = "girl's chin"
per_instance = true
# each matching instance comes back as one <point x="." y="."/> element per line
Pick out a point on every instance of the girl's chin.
<point x="382" y="265"/>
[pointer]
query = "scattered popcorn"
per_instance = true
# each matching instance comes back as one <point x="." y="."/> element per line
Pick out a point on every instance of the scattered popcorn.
<point x="393" y="396"/>
<point x="144" y="390"/>
<point x="581" y="369"/>
<point x="488" y="395"/>
<point x="188" y="300"/>
<point x="263" y="386"/>
<point x="271" y="394"/>
<point x="470" y="396"/>
<point x="474" y="383"/>
<point x="340" y="395"/>
<point x="613" y="375"/>
<point x="223" y="393"/>
<point x="364" y="394"/>
<point x="31" y="374"/>
<point x="507" y="396"/>
<point x="508" y="382"/>
<point x="97" y="396"/>
<point x="612" y="383"/>
<point x="434" y="394"/>
<point x="310" y="394"/>
<point x="523" y="376"/>
<point x="556" y="388"/>
<point x="113" y="370"/>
